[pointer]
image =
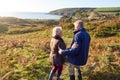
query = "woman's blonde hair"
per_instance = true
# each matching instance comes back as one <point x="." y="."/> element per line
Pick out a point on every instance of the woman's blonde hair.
<point x="56" y="31"/>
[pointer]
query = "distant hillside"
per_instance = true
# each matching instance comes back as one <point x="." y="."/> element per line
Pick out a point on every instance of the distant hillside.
<point x="71" y="11"/>
<point x="25" y="22"/>
<point x="115" y="9"/>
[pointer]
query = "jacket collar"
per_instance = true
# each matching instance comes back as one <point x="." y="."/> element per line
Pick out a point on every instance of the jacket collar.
<point x="58" y="37"/>
<point x="82" y="29"/>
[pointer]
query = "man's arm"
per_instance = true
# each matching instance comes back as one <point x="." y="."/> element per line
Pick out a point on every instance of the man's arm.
<point x="75" y="48"/>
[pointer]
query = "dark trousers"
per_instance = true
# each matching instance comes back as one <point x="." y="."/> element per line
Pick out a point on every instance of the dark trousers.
<point x="57" y="68"/>
<point x="54" y="69"/>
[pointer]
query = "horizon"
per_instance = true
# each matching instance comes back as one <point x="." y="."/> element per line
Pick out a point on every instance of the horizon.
<point x="51" y="10"/>
<point x="15" y="13"/>
<point x="47" y="5"/>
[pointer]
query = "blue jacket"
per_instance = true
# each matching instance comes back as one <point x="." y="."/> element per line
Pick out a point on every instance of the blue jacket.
<point x="78" y="55"/>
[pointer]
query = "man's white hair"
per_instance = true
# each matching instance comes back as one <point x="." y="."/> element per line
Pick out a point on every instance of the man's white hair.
<point x="79" y="22"/>
<point x="56" y="31"/>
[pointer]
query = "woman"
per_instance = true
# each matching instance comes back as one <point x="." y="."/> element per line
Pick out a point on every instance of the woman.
<point x="55" y="58"/>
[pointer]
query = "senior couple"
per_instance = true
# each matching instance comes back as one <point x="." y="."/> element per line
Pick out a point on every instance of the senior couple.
<point x="77" y="54"/>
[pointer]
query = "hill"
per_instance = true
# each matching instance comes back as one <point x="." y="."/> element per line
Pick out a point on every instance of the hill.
<point x="71" y="11"/>
<point x="112" y="9"/>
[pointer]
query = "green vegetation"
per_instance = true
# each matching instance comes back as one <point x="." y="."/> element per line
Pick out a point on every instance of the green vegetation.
<point x="24" y="48"/>
<point x="71" y="11"/>
<point x="3" y="28"/>
<point x="116" y="9"/>
<point x="105" y="28"/>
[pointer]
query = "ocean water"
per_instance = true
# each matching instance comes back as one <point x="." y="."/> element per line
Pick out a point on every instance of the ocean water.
<point x="30" y="15"/>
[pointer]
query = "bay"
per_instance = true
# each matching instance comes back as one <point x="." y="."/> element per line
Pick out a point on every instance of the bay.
<point x="30" y="15"/>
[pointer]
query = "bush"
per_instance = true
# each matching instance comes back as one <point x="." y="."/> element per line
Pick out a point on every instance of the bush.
<point x="3" y="28"/>
<point x="105" y="29"/>
<point x="24" y="30"/>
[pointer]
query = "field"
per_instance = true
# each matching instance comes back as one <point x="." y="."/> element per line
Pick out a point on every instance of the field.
<point x="24" y="50"/>
<point x="112" y="9"/>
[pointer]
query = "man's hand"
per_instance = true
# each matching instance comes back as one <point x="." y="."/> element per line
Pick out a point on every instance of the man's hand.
<point x="60" y="51"/>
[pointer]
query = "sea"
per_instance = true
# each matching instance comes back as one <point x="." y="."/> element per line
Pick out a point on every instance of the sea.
<point x="30" y="15"/>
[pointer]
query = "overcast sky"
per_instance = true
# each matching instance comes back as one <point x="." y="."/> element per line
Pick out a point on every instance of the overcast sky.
<point x="49" y="5"/>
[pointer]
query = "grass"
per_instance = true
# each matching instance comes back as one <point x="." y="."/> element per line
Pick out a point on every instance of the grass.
<point x="112" y="9"/>
<point x="23" y="55"/>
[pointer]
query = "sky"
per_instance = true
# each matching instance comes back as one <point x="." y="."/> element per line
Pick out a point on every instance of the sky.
<point x="49" y="5"/>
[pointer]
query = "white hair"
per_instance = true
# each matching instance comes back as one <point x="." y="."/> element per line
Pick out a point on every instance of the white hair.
<point x="56" y="31"/>
<point x="79" y="22"/>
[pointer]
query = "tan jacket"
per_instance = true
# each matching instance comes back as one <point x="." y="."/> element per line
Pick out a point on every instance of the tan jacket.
<point x="55" y="44"/>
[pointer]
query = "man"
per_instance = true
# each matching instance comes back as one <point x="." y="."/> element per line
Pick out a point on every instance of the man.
<point x="78" y="53"/>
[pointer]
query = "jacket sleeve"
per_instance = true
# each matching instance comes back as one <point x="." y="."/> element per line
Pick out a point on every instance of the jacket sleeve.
<point x="61" y="45"/>
<point x="75" y="48"/>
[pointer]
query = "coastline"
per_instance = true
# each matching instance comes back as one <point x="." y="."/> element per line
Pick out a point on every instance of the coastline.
<point x="31" y="15"/>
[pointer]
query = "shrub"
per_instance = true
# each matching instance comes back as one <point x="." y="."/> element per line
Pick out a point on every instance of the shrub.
<point x="105" y="29"/>
<point x="3" y="28"/>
